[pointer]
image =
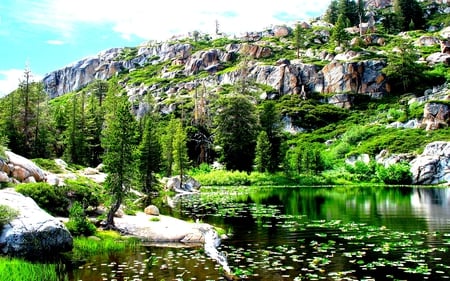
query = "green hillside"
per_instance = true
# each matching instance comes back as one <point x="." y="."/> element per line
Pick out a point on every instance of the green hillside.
<point x="186" y="121"/>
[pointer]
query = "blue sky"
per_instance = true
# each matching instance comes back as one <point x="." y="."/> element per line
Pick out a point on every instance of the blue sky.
<point x="50" y="34"/>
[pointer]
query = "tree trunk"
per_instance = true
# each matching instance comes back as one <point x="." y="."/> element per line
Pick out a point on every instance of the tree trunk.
<point x="110" y="218"/>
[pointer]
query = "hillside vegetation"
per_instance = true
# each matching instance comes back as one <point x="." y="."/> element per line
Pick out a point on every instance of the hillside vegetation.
<point x="207" y="111"/>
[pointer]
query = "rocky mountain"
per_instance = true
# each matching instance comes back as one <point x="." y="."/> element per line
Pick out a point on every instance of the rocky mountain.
<point x="285" y="76"/>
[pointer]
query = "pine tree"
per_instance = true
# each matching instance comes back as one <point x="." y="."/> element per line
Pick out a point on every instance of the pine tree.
<point x="331" y="14"/>
<point x="180" y="155"/>
<point x="236" y="129"/>
<point x="409" y="14"/>
<point x="167" y="140"/>
<point x="339" y="34"/>
<point x="149" y="155"/>
<point x="118" y="141"/>
<point x="94" y="123"/>
<point x="402" y="66"/>
<point x="298" y="37"/>
<point x="263" y="153"/>
<point x="270" y="121"/>
<point x="75" y="142"/>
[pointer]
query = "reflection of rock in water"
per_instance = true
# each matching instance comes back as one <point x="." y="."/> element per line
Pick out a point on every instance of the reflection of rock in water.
<point x="212" y="241"/>
<point x="433" y="205"/>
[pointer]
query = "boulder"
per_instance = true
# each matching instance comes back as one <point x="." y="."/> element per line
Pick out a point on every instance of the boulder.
<point x="435" y="116"/>
<point x="24" y="168"/>
<point x="4" y="177"/>
<point x="281" y="31"/>
<point x="165" y="229"/>
<point x="428" y="41"/>
<point x="433" y="165"/>
<point x="189" y="184"/>
<point x="255" y="51"/>
<point x="436" y="58"/>
<point x="151" y="210"/>
<point x="34" y="233"/>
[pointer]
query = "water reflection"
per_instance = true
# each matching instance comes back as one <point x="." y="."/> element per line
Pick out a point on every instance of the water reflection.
<point x="305" y="233"/>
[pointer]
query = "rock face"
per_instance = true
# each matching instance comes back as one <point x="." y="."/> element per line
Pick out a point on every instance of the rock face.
<point x="16" y="168"/>
<point x="189" y="184"/>
<point x="287" y="77"/>
<point x="107" y="64"/>
<point x="435" y="116"/>
<point x="433" y="165"/>
<point x="34" y="232"/>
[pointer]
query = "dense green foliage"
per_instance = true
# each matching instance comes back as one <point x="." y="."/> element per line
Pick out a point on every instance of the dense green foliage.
<point x="236" y="131"/>
<point x="78" y="223"/>
<point x="57" y="199"/>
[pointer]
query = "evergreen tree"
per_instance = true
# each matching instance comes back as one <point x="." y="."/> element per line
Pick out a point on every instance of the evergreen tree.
<point x="149" y="155"/>
<point x="263" y="152"/>
<point x="402" y="67"/>
<point x="167" y="140"/>
<point x="236" y="129"/>
<point x="349" y="10"/>
<point x="270" y="121"/>
<point x="75" y="143"/>
<point x="24" y="119"/>
<point x="118" y="141"/>
<point x="180" y="155"/>
<point x="298" y="37"/>
<point x="93" y="128"/>
<point x="339" y="34"/>
<point x="409" y="14"/>
<point x="331" y="15"/>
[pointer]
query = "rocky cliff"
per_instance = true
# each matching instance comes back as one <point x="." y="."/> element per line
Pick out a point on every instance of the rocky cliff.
<point x="285" y="76"/>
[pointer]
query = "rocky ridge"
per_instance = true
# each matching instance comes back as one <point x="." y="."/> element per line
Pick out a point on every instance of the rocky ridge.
<point x="285" y="76"/>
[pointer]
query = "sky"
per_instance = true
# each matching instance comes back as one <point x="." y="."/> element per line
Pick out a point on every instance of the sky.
<point x="46" y="35"/>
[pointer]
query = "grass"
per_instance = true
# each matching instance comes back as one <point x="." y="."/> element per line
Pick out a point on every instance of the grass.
<point x="104" y="241"/>
<point x="14" y="269"/>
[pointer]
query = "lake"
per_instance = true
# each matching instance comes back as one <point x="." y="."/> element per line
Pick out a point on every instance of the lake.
<point x="303" y="233"/>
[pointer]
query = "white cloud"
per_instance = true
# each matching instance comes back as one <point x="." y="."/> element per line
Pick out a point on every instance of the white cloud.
<point x="10" y="79"/>
<point x="55" y="42"/>
<point x="160" y="20"/>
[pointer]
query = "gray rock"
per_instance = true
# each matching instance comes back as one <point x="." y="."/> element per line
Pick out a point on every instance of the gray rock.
<point x="34" y="232"/>
<point x="189" y="184"/>
<point x="433" y="165"/>
<point x="436" y="58"/>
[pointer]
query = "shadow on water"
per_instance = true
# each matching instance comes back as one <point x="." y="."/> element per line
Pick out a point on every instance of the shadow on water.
<point x="299" y="234"/>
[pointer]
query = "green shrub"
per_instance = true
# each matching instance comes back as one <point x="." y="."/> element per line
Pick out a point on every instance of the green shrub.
<point x="57" y="199"/>
<point x="48" y="165"/>
<point x="395" y="174"/>
<point x="78" y="223"/>
<point x="83" y="190"/>
<point x="50" y="198"/>
<point x="7" y="214"/>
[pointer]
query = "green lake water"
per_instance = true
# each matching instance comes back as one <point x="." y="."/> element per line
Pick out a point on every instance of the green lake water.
<point x="304" y="233"/>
